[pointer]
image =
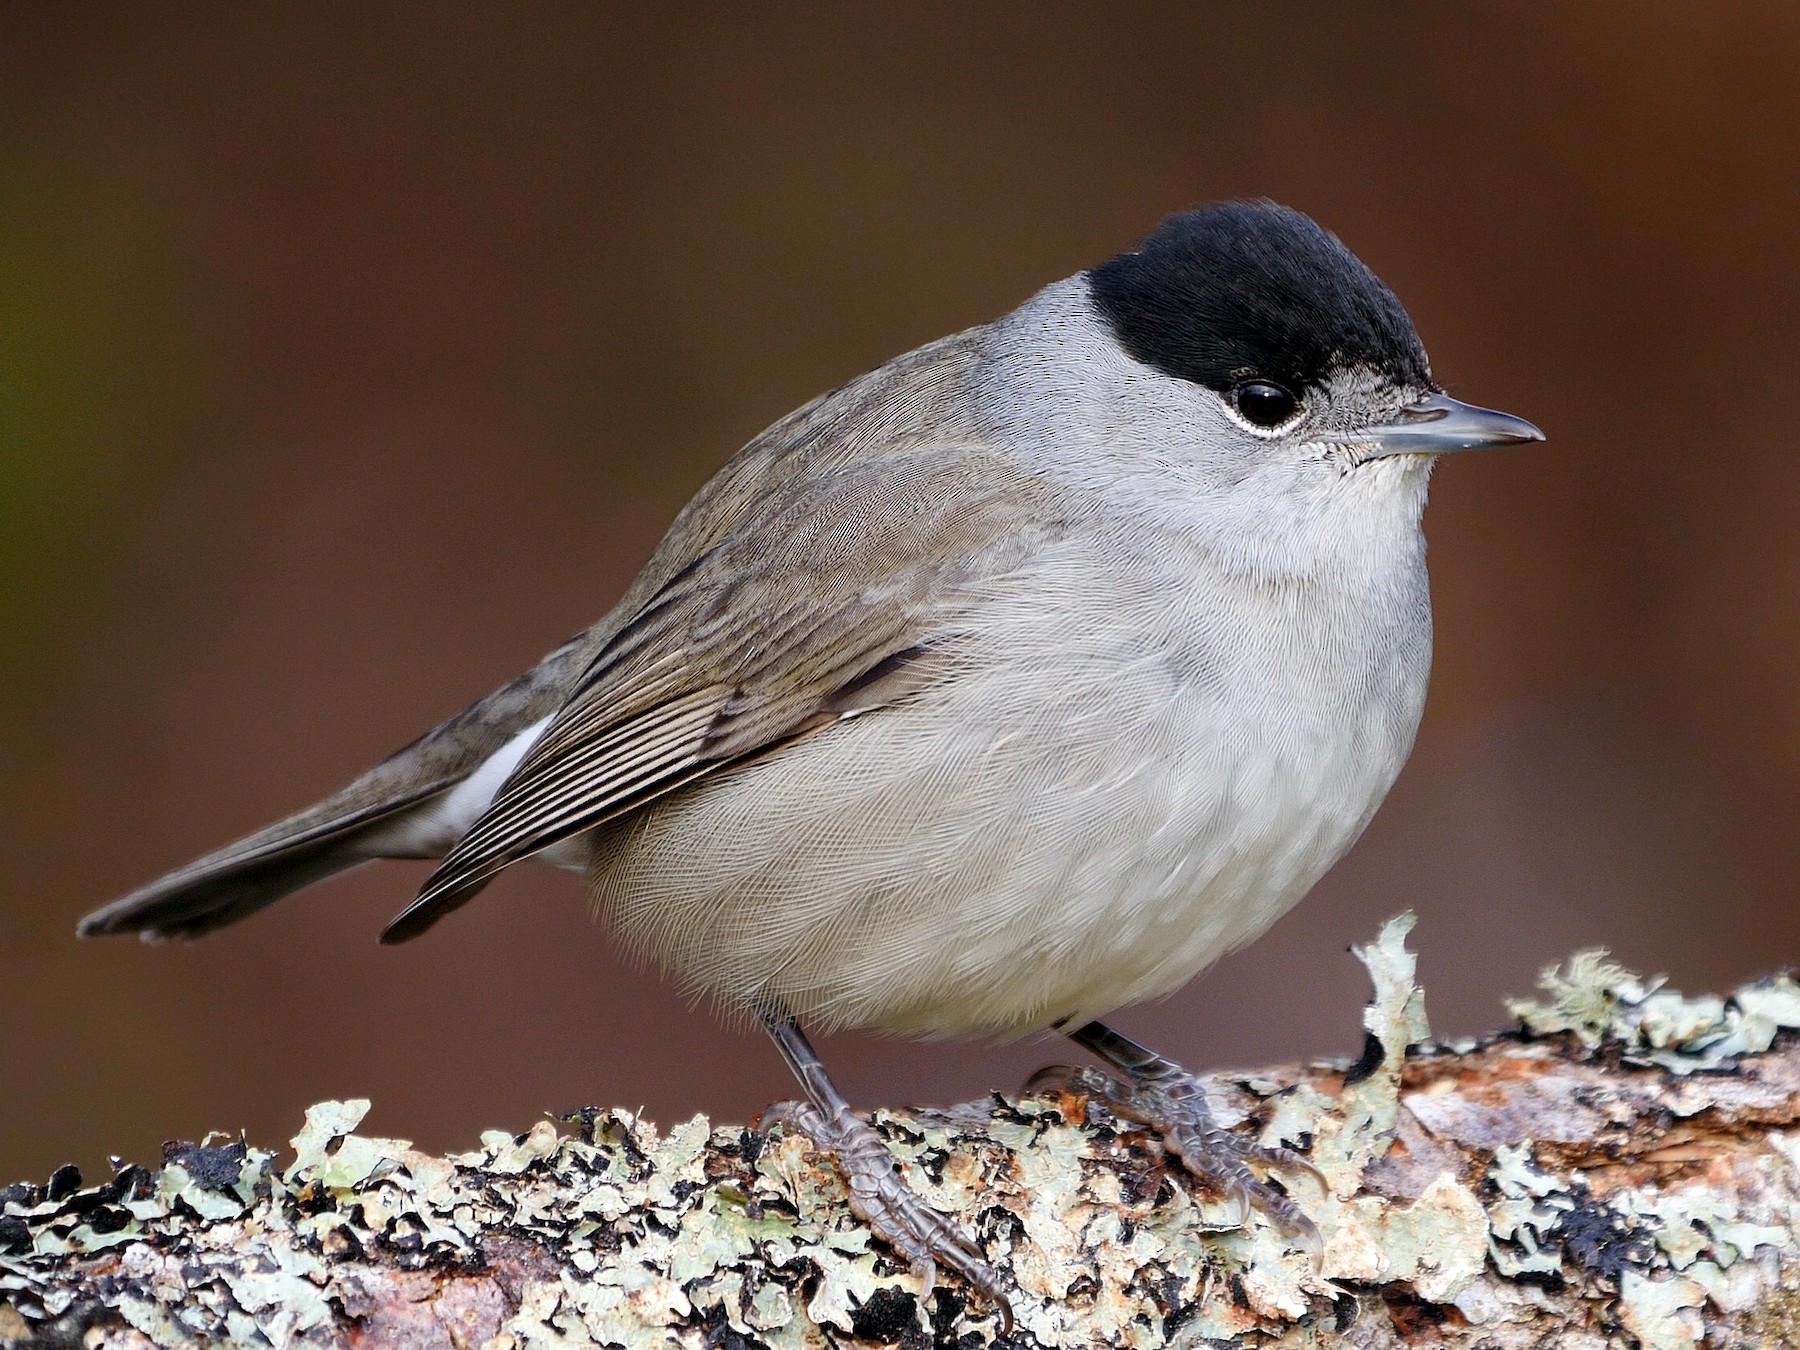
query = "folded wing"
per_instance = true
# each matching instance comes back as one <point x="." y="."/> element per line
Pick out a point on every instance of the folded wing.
<point x="843" y="593"/>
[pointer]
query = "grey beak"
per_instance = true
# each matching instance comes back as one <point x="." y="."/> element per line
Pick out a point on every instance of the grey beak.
<point x="1438" y="424"/>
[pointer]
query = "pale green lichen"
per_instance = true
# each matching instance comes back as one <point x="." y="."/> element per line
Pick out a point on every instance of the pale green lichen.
<point x="1394" y="1021"/>
<point x="1600" y="1002"/>
<point x="613" y="1232"/>
<point x="1663" y="1312"/>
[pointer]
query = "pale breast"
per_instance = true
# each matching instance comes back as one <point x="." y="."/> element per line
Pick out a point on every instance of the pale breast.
<point x="1136" y="768"/>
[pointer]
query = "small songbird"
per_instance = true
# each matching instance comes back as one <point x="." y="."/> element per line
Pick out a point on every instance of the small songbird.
<point x="1011" y="683"/>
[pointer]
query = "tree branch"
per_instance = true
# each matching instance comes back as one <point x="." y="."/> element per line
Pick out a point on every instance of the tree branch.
<point x="1616" y="1172"/>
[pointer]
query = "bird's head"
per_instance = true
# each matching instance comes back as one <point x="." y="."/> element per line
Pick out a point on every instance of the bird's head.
<point x="1286" y="344"/>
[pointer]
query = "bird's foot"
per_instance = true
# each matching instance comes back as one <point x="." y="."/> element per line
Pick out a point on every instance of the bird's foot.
<point x="1169" y="1100"/>
<point x="880" y="1197"/>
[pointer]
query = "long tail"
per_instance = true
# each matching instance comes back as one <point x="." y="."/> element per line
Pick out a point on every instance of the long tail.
<point x="241" y="878"/>
<point x="392" y="811"/>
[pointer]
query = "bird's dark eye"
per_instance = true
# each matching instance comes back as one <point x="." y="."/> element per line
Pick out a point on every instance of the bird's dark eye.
<point x="1262" y="404"/>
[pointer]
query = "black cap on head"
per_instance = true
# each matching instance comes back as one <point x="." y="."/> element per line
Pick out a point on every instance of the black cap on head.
<point x="1252" y="288"/>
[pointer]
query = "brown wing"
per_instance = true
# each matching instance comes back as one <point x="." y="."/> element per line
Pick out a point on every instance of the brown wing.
<point x="842" y="594"/>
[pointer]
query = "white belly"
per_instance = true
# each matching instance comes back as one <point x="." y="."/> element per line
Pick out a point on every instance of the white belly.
<point x="1108" y="801"/>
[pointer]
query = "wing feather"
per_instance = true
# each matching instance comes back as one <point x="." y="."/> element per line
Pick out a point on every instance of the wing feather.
<point x="843" y="595"/>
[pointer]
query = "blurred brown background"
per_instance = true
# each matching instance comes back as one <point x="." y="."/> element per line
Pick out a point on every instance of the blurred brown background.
<point x="351" y="358"/>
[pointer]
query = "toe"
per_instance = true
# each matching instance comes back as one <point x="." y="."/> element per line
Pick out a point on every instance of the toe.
<point x="926" y="1269"/>
<point x="880" y="1197"/>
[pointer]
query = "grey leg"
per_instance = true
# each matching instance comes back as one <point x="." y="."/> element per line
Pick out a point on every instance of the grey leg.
<point x="879" y="1196"/>
<point x="1159" y="1093"/>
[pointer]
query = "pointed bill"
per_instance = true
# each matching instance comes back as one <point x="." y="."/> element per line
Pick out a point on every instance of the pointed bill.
<point x="1439" y="424"/>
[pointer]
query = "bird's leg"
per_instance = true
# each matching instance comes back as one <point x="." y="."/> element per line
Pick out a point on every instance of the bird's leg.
<point x="879" y="1196"/>
<point x="1159" y="1093"/>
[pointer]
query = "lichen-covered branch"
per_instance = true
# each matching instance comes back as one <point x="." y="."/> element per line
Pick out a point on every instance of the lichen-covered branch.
<point x="1622" y="1170"/>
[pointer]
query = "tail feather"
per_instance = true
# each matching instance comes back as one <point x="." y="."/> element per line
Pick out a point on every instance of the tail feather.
<point x="193" y="906"/>
<point x="242" y="878"/>
<point x="388" y="812"/>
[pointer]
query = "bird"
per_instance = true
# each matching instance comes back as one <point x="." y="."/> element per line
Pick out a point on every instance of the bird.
<point x="1009" y="684"/>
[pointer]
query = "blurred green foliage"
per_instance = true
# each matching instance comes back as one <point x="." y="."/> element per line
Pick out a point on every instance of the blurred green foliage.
<point x="72" y="325"/>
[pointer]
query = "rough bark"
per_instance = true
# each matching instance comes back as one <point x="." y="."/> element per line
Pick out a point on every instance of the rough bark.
<point x="1620" y="1170"/>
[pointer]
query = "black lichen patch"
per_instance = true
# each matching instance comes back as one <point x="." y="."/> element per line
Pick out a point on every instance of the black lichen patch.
<point x="217" y="1166"/>
<point x="64" y="1182"/>
<point x="1020" y="1113"/>
<point x="108" y="1219"/>
<point x="130" y="1182"/>
<point x="583" y="1118"/>
<point x="342" y="1243"/>
<point x="947" y="1308"/>
<point x="1178" y="1317"/>
<point x="897" y="1131"/>
<point x="1143" y="1182"/>
<point x="15" y="1235"/>
<point x="719" y="1334"/>
<point x="932" y="1162"/>
<point x="1374" y="1054"/>
<point x="751" y="1144"/>
<point x="888" y="1315"/>
<point x="1602" y="1241"/>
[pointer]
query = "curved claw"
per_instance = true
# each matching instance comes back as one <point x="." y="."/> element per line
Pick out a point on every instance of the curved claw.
<point x="1292" y="1160"/>
<point x="1050" y="1078"/>
<point x="926" y="1269"/>
<point x="1289" y="1216"/>
<point x="1225" y="1160"/>
<point x="1074" y="1078"/>
<point x="1167" y="1099"/>
<point x="1238" y="1192"/>
<point x="880" y="1197"/>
